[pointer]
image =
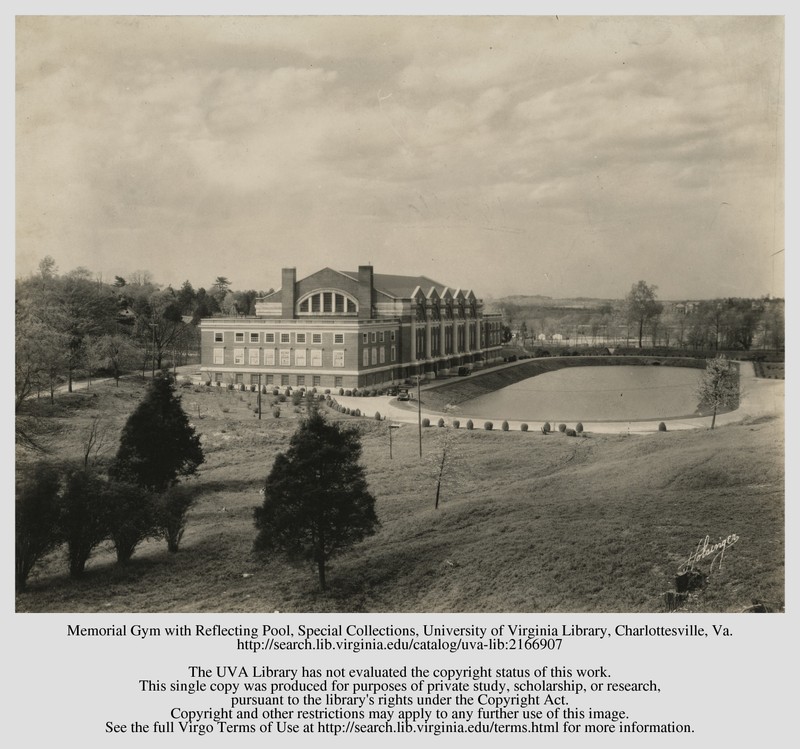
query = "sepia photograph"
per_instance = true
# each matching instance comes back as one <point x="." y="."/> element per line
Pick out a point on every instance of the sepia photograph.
<point x="399" y="314"/>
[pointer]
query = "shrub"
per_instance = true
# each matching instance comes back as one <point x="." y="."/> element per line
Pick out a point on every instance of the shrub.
<point x="571" y="433"/>
<point x="440" y="422"/>
<point x="132" y="518"/>
<point x="84" y="519"/>
<point x="426" y="422"/>
<point x="469" y="424"/>
<point x="377" y="416"/>
<point x="171" y="509"/>
<point x="662" y="427"/>
<point x="357" y="412"/>
<point x="456" y="423"/>
<point x="276" y="412"/>
<point x="208" y="383"/>
<point x="230" y="386"/>
<point x="263" y="390"/>
<point x="546" y="427"/>
<point x="348" y="392"/>
<point x="579" y="427"/>
<point x="288" y="392"/>
<point x="488" y="426"/>
<point x="341" y="391"/>
<point x="281" y="398"/>
<point x="327" y="391"/>
<point x="275" y="391"/>
<point x="504" y="426"/>
<point x="523" y="427"/>
<point x="562" y="427"/>
<point x="36" y="520"/>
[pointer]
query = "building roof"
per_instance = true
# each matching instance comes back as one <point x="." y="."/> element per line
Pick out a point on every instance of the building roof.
<point x="400" y="287"/>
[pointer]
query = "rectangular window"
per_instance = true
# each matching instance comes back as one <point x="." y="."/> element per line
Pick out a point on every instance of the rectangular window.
<point x="217" y="376"/>
<point x="316" y="381"/>
<point x="315" y="303"/>
<point x="338" y="337"/>
<point x="338" y="303"/>
<point x="285" y="338"/>
<point x="374" y="356"/>
<point x="300" y="357"/>
<point x="218" y="336"/>
<point x="374" y="336"/>
<point x="286" y="357"/>
<point x="284" y="379"/>
<point x="338" y="358"/>
<point x="316" y="358"/>
<point x="365" y="358"/>
<point x="270" y="380"/>
<point x="316" y="338"/>
<point x="253" y="356"/>
<point x="238" y="337"/>
<point x="380" y="337"/>
<point x="383" y="355"/>
<point x="240" y="378"/>
<point x="269" y="357"/>
<point x="327" y="301"/>
<point x="365" y="338"/>
<point x="301" y="380"/>
<point x="219" y="356"/>
<point x="394" y="353"/>
<point x="254" y="338"/>
<point x="393" y="335"/>
<point x="255" y="379"/>
<point x="300" y="337"/>
<point x="238" y="356"/>
<point x="269" y="338"/>
<point x="337" y="382"/>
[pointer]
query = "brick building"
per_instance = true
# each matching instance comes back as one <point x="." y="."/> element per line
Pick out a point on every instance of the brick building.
<point x="343" y="329"/>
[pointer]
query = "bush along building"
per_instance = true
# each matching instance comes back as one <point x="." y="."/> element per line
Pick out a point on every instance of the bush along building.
<point x="343" y="329"/>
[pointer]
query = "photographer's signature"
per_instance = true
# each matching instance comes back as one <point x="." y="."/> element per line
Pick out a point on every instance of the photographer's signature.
<point x="706" y="549"/>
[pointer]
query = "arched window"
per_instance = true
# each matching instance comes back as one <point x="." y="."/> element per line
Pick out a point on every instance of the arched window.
<point x="327" y="302"/>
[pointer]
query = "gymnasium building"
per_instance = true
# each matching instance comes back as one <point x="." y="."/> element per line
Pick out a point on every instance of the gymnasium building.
<point x="350" y="329"/>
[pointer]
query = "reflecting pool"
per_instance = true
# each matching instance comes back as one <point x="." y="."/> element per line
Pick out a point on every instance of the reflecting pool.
<point x="604" y="393"/>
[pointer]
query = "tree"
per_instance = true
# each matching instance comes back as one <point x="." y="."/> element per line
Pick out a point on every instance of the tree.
<point x="641" y="306"/>
<point x="85" y="516"/>
<point x="36" y="521"/>
<point x="316" y="500"/>
<point x="158" y="444"/>
<point x="172" y="508"/>
<point x="719" y="386"/>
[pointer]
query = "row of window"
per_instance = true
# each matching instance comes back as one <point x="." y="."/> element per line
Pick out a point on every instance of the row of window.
<point x="377" y="336"/>
<point x="253" y="337"/>
<point x="302" y="357"/>
<point x="268" y="379"/>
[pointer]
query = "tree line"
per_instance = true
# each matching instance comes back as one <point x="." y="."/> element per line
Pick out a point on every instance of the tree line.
<point x="75" y="325"/>
<point x="726" y="324"/>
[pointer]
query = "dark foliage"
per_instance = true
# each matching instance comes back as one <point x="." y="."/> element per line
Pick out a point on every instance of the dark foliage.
<point x="172" y="508"/>
<point x="316" y="500"/>
<point x="131" y="518"/>
<point x="36" y="518"/>
<point x="85" y="516"/>
<point x="158" y="444"/>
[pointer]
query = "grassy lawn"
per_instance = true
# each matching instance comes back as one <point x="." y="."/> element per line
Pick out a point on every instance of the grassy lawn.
<point x="527" y="522"/>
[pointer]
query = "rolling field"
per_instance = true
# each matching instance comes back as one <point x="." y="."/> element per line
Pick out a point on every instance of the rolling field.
<point x="526" y="523"/>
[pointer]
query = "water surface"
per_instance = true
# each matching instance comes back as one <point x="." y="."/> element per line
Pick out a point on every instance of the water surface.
<point x="610" y="393"/>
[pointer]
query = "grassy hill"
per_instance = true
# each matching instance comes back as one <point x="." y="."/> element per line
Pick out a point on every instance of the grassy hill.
<point x="527" y="522"/>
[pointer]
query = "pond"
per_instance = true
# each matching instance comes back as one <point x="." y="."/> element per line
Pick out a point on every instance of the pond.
<point x="604" y="393"/>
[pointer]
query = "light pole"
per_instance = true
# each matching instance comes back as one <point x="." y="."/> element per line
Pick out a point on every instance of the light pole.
<point x="258" y="397"/>
<point x="391" y="426"/>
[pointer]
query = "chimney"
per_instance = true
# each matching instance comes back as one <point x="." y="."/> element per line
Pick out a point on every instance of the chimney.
<point x="288" y="279"/>
<point x="365" y="291"/>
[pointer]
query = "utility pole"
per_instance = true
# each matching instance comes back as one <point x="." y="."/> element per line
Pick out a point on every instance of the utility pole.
<point x="419" y="414"/>
<point x="154" y="325"/>
<point x="258" y="397"/>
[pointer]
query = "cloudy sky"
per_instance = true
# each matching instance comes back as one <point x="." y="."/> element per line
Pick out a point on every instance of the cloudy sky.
<point x="540" y="155"/>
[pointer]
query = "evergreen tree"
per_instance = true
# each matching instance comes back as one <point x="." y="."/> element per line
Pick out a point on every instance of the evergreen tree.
<point x="316" y="500"/>
<point x="158" y="445"/>
<point x="85" y="516"/>
<point x="36" y="521"/>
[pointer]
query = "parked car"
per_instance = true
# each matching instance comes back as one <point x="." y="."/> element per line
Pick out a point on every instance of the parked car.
<point x="403" y="395"/>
